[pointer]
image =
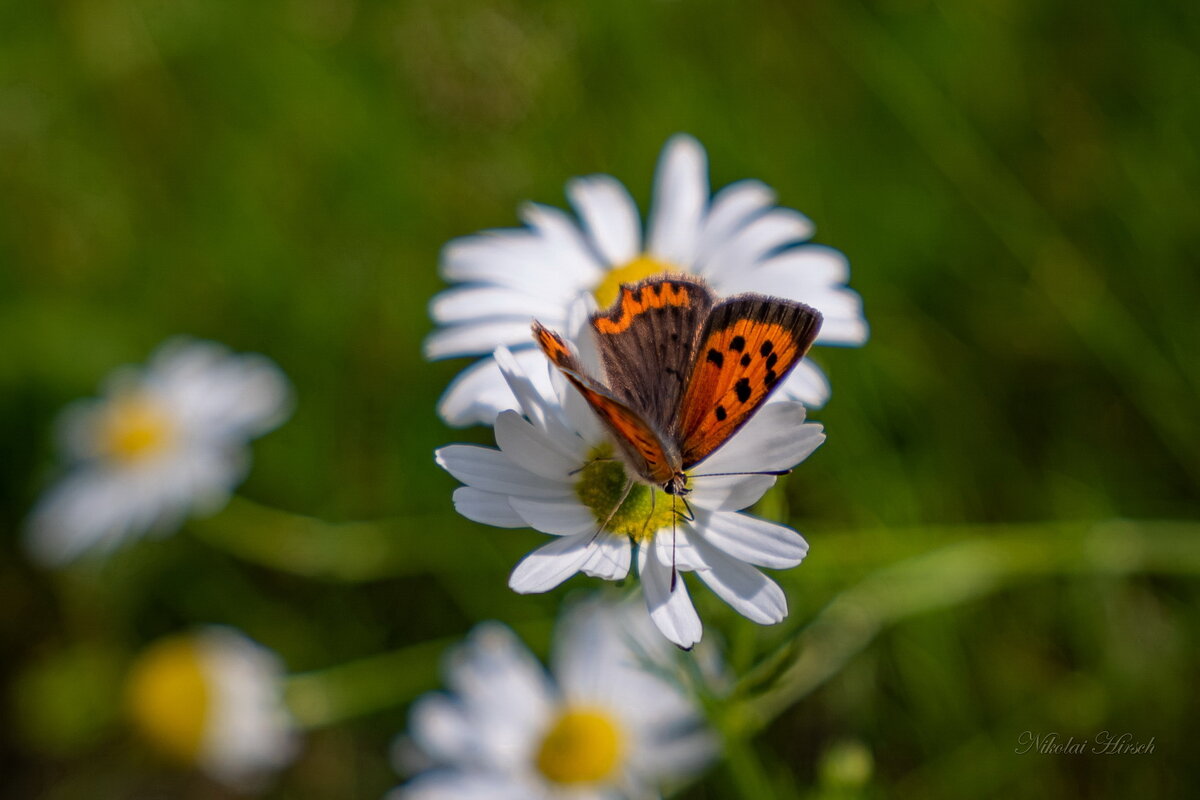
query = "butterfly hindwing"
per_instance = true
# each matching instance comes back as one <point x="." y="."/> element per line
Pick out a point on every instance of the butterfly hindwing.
<point x="748" y="347"/>
<point x="646" y="342"/>
<point x="642" y="445"/>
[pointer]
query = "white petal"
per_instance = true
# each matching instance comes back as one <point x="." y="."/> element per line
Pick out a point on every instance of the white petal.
<point x="610" y="557"/>
<point x="461" y="785"/>
<point x="476" y="338"/>
<point x="747" y="246"/>
<point x="776" y="438"/>
<point x="609" y="215"/>
<point x="486" y="507"/>
<point x="680" y="196"/>
<point x="744" y="588"/>
<point x="518" y="259"/>
<point x="750" y="539"/>
<point x="532" y="449"/>
<point x="540" y="405"/>
<point x="565" y="517"/>
<point x="480" y="392"/>
<point x="492" y="471"/>
<point x="439" y="727"/>
<point x="731" y="209"/>
<point x="504" y="692"/>
<point x="730" y="494"/>
<point x="213" y="392"/>
<point x="483" y="303"/>
<point x="564" y="241"/>
<point x="671" y="611"/>
<point x="550" y="564"/>
<point x="806" y="384"/>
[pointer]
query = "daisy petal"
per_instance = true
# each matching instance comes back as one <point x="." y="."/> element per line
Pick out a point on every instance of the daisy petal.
<point x="565" y="517"/>
<point x="806" y="384"/>
<point x="550" y="564"/>
<point x="610" y="558"/>
<point x="475" y="338"/>
<point x="670" y="609"/>
<point x="439" y="727"/>
<point x="730" y="493"/>
<point x="731" y="208"/>
<point x="531" y="449"/>
<point x="746" y="247"/>
<point x="680" y="195"/>
<point x="480" y="392"/>
<point x="750" y="539"/>
<point x="564" y="241"/>
<point x="471" y="303"/>
<point x="750" y="593"/>
<point x="776" y="438"/>
<point x="492" y="471"/>
<point x="486" y="508"/>
<point x="609" y="215"/>
<point x="449" y="784"/>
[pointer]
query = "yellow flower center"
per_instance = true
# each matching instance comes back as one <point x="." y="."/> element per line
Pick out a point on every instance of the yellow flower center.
<point x="134" y="427"/>
<point x="639" y="268"/>
<point x="168" y="697"/>
<point x="582" y="746"/>
<point x="646" y="510"/>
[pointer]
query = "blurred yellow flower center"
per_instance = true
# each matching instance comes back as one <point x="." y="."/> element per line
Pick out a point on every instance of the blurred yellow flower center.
<point x="134" y="427"/>
<point x="639" y="268"/>
<point x="582" y="746"/>
<point x="601" y="483"/>
<point x="168" y="697"/>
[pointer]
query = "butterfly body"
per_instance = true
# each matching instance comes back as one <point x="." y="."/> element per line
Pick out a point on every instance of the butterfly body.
<point x="683" y="370"/>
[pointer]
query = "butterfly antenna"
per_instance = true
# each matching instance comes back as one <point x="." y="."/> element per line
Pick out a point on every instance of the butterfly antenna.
<point x="615" y="508"/>
<point x="776" y="472"/>
<point x="674" y="571"/>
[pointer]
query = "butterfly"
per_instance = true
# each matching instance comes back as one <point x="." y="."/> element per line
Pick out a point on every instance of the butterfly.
<point x="684" y="371"/>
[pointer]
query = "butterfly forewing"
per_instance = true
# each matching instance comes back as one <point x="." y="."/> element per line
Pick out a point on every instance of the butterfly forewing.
<point x="646" y="342"/>
<point x="749" y="345"/>
<point x="639" y="442"/>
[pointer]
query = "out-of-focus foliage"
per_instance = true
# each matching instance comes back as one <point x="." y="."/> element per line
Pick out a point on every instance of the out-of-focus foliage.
<point x="1013" y="181"/>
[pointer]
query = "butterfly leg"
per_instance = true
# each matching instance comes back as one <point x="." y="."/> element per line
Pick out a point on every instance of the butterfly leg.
<point x="615" y="508"/>
<point x="593" y="461"/>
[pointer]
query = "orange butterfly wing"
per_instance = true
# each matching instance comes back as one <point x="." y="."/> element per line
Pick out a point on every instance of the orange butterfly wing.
<point x="641" y="444"/>
<point x="749" y="345"/>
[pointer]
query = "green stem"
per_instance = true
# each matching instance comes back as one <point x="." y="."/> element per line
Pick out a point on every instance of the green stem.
<point x="957" y="574"/>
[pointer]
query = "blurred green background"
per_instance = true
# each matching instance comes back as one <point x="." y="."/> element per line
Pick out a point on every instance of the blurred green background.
<point x="1013" y="181"/>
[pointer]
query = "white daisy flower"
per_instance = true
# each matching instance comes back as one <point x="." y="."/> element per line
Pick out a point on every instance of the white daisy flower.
<point x="163" y="441"/>
<point x="554" y="472"/>
<point x="602" y="726"/>
<point x="738" y="241"/>
<point x="214" y="700"/>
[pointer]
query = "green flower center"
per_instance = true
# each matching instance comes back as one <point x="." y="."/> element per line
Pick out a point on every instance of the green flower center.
<point x="646" y="509"/>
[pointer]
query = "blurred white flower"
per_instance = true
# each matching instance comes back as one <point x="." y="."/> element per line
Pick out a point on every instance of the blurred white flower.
<point x="605" y="724"/>
<point x="164" y="441"/>
<point x="553" y="472"/>
<point x="738" y="241"/>
<point x="214" y="699"/>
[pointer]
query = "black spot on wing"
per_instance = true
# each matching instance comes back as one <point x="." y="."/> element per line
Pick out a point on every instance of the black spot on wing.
<point x="742" y="388"/>
<point x="737" y="343"/>
<point x="745" y="361"/>
<point x="715" y="357"/>
<point x="770" y="378"/>
<point x="772" y="360"/>
<point x="720" y="412"/>
<point x="766" y="348"/>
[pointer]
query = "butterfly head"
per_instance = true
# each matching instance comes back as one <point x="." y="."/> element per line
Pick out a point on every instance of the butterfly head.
<point x="677" y="485"/>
